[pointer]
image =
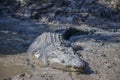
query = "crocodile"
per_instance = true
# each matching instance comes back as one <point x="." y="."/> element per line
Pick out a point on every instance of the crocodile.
<point x="51" y="49"/>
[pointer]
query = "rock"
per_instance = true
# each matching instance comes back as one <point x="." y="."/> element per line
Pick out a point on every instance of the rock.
<point x="50" y="49"/>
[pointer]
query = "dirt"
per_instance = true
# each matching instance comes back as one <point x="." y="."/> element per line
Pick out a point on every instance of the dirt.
<point x="7" y="71"/>
<point x="99" y="48"/>
<point x="19" y="67"/>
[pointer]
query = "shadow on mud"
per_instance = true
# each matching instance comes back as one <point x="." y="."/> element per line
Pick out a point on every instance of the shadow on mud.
<point x="87" y="70"/>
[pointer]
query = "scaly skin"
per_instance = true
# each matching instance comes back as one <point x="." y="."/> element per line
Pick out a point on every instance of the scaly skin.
<point x="52" y="50"/>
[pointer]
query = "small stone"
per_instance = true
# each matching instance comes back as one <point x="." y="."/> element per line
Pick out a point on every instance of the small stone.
<point x="109" y="66"/>
<point x="22" y="75"/>
<point x="96" y="72"/>
<point x="8" y="79"/>
<point x="103" y="55"/>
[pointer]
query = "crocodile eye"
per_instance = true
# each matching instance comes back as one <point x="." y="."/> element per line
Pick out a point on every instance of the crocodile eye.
<point x="61" y="48"/>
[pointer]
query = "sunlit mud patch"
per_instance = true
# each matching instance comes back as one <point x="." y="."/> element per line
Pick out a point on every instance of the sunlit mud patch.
<point x="14" y="65"/>
<point x="9" y="70"/>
